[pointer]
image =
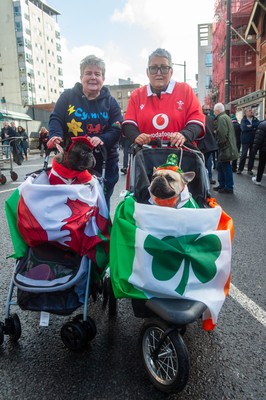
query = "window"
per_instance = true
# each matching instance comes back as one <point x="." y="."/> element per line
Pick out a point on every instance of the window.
<point x="18" y="26"/>
<point x="208" y="59"/>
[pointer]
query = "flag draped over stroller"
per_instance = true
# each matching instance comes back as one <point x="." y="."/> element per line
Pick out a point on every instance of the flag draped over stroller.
<point x="168" y="253"/>
<point x="71" y="216"/>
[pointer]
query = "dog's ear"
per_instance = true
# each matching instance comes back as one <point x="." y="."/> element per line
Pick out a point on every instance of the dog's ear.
<point x="154" y="170"/>
<point x="188" y="176"/>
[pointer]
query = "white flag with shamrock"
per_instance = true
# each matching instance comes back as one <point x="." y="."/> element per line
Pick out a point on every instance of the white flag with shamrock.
<point x="168" y="253"/>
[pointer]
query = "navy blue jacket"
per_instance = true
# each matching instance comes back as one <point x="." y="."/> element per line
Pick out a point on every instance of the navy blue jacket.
<point x="74" y="113"/>
<point x="247" y="131"/>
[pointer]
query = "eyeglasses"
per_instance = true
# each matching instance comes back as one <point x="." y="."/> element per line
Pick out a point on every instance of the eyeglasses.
<point x="153" y="69"/>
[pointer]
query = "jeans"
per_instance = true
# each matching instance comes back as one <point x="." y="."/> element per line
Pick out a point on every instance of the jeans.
<point x="225" y="175"/>
<point x="208" y="157"/>
<point x="111" y="178"/>
<point x="244" y="151"/>
<point x="6" y="147"/>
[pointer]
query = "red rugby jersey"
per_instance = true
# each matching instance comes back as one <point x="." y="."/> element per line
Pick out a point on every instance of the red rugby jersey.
<point x="177" y="107"/>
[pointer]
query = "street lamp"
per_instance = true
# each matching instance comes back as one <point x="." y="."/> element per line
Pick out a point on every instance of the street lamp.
<point x="185" y="71"/>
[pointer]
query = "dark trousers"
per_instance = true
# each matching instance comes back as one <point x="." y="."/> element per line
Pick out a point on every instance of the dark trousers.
<point x="125" y="153"/>
<point x="246" y="147"/>
<point x="261" y="166"/>
<point x="225" y="175"/>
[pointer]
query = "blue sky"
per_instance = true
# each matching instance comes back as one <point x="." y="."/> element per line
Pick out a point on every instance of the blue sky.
<point x="125" y="32"/>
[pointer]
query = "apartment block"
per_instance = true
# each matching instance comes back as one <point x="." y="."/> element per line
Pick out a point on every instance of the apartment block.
<point x="30" y="53"/>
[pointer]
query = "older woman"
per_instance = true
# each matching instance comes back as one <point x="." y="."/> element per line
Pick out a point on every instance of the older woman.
<point x="88" y="109"/>
<point x="163" y="109"/>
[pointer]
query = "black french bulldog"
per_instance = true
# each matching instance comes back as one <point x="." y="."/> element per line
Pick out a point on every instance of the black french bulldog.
<point x="77" y="153"/>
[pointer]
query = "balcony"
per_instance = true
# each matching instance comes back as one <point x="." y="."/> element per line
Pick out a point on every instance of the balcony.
<point x="246" y="61"/>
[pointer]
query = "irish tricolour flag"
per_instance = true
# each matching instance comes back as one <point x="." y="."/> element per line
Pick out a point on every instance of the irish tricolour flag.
<point x="71" y="216"/>
<point x="168" y="253"/>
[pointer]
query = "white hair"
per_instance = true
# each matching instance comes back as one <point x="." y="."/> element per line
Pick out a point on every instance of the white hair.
<point x="219" y="107"/>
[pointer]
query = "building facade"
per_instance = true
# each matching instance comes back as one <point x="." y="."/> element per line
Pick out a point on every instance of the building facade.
<point x="204" y="82"/>
<point x="256" y="31"/>
<point x="242" y="57"/>
<point x="122" y="92"/>
<point x="30" y="53"/>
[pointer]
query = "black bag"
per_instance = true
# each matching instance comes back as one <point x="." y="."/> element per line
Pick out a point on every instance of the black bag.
<point x="17" y="155"/>
<point x="50" y="279"/>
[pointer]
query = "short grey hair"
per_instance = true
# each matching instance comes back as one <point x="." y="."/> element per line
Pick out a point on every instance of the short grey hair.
<point x="161" y="53"/>
<point x="219" y="107"/>
<point x="92" y="60"/>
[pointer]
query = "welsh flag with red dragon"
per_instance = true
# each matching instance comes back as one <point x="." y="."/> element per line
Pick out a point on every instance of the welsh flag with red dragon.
<point x="71" y="216"/>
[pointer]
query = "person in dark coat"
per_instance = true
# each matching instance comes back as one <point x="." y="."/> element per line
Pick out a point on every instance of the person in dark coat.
<point x="260" y="145"/>
<point x="227" y="150"/>
<point x="24" y="144"/>
<point x="237" y="129"/>
<point x="249" y="124"/>
<point x="208" y="145"/>
<point x="6" y="135"/>
<point x="89" y="109"/>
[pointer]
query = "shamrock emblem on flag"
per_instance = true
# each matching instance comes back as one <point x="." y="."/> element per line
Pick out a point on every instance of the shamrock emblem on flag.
<point x="196" y="251"/>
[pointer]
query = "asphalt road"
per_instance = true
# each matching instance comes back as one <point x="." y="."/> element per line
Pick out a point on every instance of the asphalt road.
<point x="227" y="363"/>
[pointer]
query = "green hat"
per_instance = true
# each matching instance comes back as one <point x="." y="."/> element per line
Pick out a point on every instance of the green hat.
<point x="171" y="163"/>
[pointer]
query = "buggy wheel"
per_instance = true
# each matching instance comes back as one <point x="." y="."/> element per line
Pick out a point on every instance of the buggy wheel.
<point x="2" y="179"/>
<point x="14" y="176"/>
<point x="1" y="333"/>
<point x="166" y="362"/>
<point x="74" y="335"/>
<point x="89" y="325"/>
<point x="15" y="328"/>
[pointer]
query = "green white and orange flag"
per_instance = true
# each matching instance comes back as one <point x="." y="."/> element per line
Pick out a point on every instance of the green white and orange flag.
<point x="168" y="253"/>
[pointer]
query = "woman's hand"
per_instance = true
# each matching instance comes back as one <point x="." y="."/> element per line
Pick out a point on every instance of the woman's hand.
<point x="177" y="139"/>
<point x="142" y="139"/>
<point x="55" y="140"/>
<point x="96" y="141"/>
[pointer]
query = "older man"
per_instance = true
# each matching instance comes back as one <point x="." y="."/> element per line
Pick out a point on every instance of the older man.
<point x="227" y="150"/>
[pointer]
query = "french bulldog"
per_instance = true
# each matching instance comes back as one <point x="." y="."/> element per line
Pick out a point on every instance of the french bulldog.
<point x="167" y="185"/>
<point x="77" y="153"/>
<point x="73" y="162"/>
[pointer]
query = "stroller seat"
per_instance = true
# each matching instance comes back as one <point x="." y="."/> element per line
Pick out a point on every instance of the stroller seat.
<point x="148" y="158"/>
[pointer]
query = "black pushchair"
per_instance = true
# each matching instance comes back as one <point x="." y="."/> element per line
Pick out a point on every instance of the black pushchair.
<point x="50" y="277"/>
<point x="147" y="255"/>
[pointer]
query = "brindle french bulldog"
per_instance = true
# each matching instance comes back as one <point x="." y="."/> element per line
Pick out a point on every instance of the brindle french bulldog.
<point x="77" y="153"/>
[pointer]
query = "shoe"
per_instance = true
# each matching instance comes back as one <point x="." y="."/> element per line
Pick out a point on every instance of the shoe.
<point x="250" y="173"/>
<point x="254" y="180"/>
<point x="124" y="170"/>
<point x="217" y="188"/>
<point x="225" y="190"/>
<point x="234" y="169"/>
<point x="239" y="172"/>
<point x="212" y="182"/>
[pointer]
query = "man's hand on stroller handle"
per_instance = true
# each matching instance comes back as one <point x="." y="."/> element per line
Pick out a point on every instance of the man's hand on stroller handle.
<point x="175" y="139"/>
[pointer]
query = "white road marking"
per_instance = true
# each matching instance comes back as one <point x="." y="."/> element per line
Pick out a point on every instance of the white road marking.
<point x="248" y="304"/>
<point x="8" y="190"/>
